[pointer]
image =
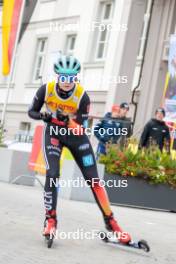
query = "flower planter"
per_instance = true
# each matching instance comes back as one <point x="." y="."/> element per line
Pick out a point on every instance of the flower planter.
<point x="140" y="193"/>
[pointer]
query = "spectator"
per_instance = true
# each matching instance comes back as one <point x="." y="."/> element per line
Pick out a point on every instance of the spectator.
<point x="104" y="130"/>
<point x="156" y="131"/>
<point x="124" y="109"/>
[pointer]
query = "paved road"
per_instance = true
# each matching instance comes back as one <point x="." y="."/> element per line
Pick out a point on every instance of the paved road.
<point x="21" y="223"/>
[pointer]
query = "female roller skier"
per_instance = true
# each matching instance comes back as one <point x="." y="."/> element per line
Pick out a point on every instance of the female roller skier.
<point x="68" y="95"/>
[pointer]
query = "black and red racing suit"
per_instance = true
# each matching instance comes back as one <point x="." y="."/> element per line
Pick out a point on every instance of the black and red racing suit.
<point x="79" y="146"/>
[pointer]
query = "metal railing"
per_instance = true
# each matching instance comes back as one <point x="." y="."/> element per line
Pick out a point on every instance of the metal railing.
<point x="24" y="136"/>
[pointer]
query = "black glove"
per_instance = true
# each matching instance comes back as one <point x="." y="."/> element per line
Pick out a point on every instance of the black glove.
<point x="46" y="117"/>
<point x="62" y="117"/>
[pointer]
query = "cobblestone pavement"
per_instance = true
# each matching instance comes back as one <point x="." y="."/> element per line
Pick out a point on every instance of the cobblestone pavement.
<point x="21" y="242"/>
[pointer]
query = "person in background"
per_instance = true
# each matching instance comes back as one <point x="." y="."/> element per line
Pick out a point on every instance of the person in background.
<point x="126" y="121"/>
<point x="124" y="109"/>
<point x="156" y="131"/>
<point x="108" y="123"/>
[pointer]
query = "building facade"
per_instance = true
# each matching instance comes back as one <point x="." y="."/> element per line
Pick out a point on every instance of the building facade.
<point x="109" y="38"/>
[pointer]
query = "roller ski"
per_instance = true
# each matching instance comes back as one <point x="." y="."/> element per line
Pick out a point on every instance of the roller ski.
<point x="118" y="237"/>
<point x="50" y="226"/>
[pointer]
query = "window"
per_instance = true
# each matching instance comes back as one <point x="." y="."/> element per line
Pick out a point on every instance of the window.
<point x="1" y="2"/>
<point x="39" y="59"/>
<point x="103" y="35"/>
<point x="24" y="134"/>
<point x="70" y="44"/>
<point x="25" y="126"/>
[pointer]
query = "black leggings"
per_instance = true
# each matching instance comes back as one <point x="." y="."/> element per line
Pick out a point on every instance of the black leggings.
<point x="81" y="149"/>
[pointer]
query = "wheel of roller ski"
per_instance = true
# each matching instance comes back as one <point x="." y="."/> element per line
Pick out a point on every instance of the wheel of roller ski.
<point x="144" y="245"/>
<point x="49" y="241"/>
<point x="103" y="237"/>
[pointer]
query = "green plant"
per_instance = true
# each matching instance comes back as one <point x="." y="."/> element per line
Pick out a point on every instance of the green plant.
<point x="151" y="164"/>
<point x="1" y="135"/>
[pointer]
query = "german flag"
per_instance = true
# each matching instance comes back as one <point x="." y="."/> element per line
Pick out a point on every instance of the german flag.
<point x="10" y="22"/>
<point x="10" y="25"/>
